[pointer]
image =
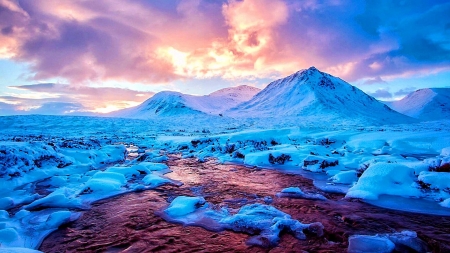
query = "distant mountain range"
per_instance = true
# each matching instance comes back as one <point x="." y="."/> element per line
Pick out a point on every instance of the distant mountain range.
<point x="307" y="93"/>
<point x="425" y="104"/>
<point x="169" y="103"/>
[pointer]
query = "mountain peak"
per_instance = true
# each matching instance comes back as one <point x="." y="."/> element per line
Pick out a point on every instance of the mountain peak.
<point x="310" y="92"/>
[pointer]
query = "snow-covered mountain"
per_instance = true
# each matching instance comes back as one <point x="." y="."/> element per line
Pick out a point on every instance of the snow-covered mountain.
<point x="169" y="103"/>
<point x="426" y="104"/>
<point x="314" y="93"/>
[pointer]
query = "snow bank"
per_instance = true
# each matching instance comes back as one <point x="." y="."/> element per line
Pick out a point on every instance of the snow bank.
<point x="385" y="178"/>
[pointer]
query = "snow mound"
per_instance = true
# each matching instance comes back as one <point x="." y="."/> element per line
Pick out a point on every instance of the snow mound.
<point x="183" y="205"/>
<point x="385" y="178"/>
<point x="426" y="104"/>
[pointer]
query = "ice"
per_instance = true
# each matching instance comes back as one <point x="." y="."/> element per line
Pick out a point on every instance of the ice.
<point x="370" y="244"/>
<point x="56" y="219"/>
<point x="8" y="236"/>
<point x="128" y="172"/>
<point x="4" y="215"/>
<point x="405" y="241"/>
<point x="62" y="197"/>
<point x="151" y="166"/>
<point x="445" y="151"/>
<point x="385" y="178"/>
<point x="105" y="181"/>
<point x="154" y="180"/>
<point x="445" y="203"/>
<point x="344" y="177"/>
<point x="183" y="205"/>
<point x="295" y="192"/>
<point x="27" y="229"/>
<point x="6" y="203"/>
<point x="408" y="241"/>
<point x="263" y="221"/>
<point x="18" y="250"/>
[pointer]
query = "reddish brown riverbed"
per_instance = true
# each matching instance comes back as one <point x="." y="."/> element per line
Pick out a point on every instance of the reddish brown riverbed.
<point x="128" y="223"/>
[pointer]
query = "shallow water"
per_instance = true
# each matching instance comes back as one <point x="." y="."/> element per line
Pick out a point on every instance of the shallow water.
<point x="128" y="223"/>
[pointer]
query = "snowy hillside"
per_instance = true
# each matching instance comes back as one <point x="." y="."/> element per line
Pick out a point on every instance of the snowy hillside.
<point x="426" y="104"/>
<point x="311" y="92"/>
<point x="168" y="103"/>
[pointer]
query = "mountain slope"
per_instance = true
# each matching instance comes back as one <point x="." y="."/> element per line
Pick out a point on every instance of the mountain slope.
<point x="426" y="104"/>
<point x="314" y="93"/>
<point x="168" y="103"/>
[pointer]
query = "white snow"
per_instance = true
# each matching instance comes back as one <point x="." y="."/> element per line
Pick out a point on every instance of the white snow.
<point x="310" y="123"/>
<point x="385" y="178"/>
<point x="263" y="221"/>
<point x="295" y="192"/>
<point x="405" y="241"/>
<point x="426" y="104"/>
<point x="369" y="244"/>
<point x="167" y="103"/>
<point x="183" y="205"/>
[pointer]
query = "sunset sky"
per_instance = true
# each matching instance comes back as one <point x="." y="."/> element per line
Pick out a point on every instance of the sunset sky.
<point x="83" y="56"/>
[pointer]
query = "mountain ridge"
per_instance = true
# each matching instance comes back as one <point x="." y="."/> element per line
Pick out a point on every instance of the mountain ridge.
<point x="425" y="104"/>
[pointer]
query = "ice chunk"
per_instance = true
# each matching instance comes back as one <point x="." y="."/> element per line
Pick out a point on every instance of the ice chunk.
<point x="385" y="178"/>
<point x="370" y="244"/>
<point x="4" y="215"/>
<point x="183" y="205"/>
<point x="62" y="197"/>
<point x="154" y="180"/>
<point x="56" y="219"/>
<point x="295" y="192"/>
<point x="128" y="172"/>
<point x="18" y="250"/>
<point x="6" y="203"/>
<point x="267" y="222"/>
<point x="150" y="166"/>
<point x="406" y="241"/>
<point x="344" y="177"/>
<point x="445" y="203"/>
<point x="436" y="180"/>
<point x="8" y="236"/>
<point x="105" y="181"/>
<point x="445" y="151"/>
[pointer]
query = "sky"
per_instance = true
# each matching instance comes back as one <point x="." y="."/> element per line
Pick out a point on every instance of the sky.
<point x="83" y="57"/>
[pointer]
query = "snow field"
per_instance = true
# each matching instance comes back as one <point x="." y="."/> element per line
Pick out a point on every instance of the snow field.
<point x="70" y="178"/>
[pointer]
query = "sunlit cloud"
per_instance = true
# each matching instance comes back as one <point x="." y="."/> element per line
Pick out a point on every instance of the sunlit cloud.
<point x="163" y="43"/>
<point x="88" y="99"/>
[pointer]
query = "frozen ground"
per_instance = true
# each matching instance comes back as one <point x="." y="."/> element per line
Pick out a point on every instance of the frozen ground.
<point x="51" y="167"/>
